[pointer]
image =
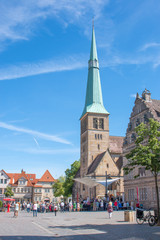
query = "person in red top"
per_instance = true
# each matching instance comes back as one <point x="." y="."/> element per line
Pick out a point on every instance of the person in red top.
<point x="8" y="207"/>
<point x="116" y="205"/>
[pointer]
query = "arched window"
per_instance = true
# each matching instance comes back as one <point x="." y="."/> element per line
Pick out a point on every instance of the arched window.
<point x="95" y="123"/>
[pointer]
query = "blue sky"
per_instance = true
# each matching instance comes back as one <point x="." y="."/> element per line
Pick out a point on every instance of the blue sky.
<point x="44" y="52"/>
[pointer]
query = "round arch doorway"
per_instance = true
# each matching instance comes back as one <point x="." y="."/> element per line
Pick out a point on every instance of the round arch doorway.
<point x="47" y="200"/>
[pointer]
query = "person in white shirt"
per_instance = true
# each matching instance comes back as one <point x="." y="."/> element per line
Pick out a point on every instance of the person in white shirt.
<point x="35" y="209"/>
<point x="16" y="209"/>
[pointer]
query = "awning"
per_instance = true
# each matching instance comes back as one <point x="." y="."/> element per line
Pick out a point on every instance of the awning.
<point x="92" y="182"/>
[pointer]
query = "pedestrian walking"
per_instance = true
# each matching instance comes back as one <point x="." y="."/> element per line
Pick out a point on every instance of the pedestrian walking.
<point x="16" y="209"/>
<point x="35" y="209"/>
<point x="28" y="207"/>
<point x="55" y="209"/>
<point x="110" y="209"/>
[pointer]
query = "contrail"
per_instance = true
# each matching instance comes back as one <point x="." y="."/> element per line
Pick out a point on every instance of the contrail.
<point x="36" y="142"/>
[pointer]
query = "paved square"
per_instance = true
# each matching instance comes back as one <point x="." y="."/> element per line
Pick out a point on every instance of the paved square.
<point x="75" y="225"/>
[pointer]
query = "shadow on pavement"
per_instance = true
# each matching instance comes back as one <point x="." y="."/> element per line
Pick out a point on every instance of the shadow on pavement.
<point x="106" y="231"/>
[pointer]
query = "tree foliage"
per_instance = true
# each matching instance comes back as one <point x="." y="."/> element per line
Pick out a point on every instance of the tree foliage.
<point x="58" y="187"/>
<point x="146" y="152"/>
<point x="8" y="192"/>
<point x="63" y="186"/>
<point x="69" y="176"/>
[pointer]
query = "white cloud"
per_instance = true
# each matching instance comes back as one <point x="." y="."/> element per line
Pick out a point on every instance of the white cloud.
<point x="34" y="133"/>
<point x="150" y="45"/>
<point x="48" y="151"/>
<point x="20" y="18"/>
<point x="31" y="69"/>
<point x="133" y="95"/>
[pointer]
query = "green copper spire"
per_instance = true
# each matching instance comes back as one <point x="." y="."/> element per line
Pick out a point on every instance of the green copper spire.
<point x="94" y="101"/>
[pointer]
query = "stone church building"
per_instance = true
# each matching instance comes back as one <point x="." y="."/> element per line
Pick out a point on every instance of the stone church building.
<point x="143" y="187"/>
<point x="100" y="152"/>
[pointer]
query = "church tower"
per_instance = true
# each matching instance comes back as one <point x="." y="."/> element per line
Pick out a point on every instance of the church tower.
<point x="94" y="119"/>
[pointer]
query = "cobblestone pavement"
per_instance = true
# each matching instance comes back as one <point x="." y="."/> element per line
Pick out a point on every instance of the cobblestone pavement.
<point x="75" y="225"/>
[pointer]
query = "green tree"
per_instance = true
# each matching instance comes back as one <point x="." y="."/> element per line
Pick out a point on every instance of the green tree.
<point x="69" y="175"/>
<point x="58" y="187"/>
<point x="147" y="153"/>
<point x="8" y="192"/>
<point x="1" y="204"/>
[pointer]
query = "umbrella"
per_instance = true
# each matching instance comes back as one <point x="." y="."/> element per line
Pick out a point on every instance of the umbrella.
<point x="8" y="199"/>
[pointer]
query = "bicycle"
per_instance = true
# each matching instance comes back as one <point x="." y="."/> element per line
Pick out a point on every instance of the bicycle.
<point x="140" y="218"/>
<point x="153" y="220"/>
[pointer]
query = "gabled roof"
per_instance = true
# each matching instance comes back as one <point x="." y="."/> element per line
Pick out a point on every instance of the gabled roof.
<point x="93" y="166"/>
<point x="119" y="162"/>
<point x="47" y="177"/>
<point x="14" y="177"/>
<point x="5" y="173"/>
<point x="154" y="107"/>
<point x="115" y="144"/>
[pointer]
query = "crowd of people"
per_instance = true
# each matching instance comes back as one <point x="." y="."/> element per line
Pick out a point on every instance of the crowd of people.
<point x="85" y="205"/>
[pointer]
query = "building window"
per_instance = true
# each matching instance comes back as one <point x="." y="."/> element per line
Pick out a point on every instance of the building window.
<point x="39" y="198"/>
<point x="35" y="198"/>
<point x="145" y="118"/>
<point x="35" y="190"/>
<point x="5" y="181"/>
<point x="40" y="190"/>
<point x="107" y="165"/>
<point x="130" y="127"/>
<point x="142" y="193"/>
<point x="98" y="146"/>
<point x="133" y="137"/>
<point x="101" y="136"/>
<point x="47" y="190"/>
<point x="101" y="123"/>
<point x="83" y="187"/>
<point x="141" y="172"/>
<point x="29" y="190"/>
<point x="95" y="123"/>
<point x="95" y="136"/>
<point x="153" y="193"/>
<point x="18" y="190"/>
<point x="21" y="190"/>
<point x="1" y="180"/>
<point x="137" y="122"/>
<point x="130" y="194"/>
<point x="0" y="190"/>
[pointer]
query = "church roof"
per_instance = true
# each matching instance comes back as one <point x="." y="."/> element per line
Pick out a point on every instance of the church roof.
<point x="93" y="166"/>
<point x="115" y="144"/>
<point x="154" y="107"/>
<point x="94" y="100"/>
<point x="47" y="177"/>
<point x="119" y="162"/>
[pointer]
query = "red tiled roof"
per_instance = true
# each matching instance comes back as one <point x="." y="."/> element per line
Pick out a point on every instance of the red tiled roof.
<point x="14" y="177"/>
<point x="47" y="177"/>
<point x="6" y="173"/>
<point x="38" y="186"/>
